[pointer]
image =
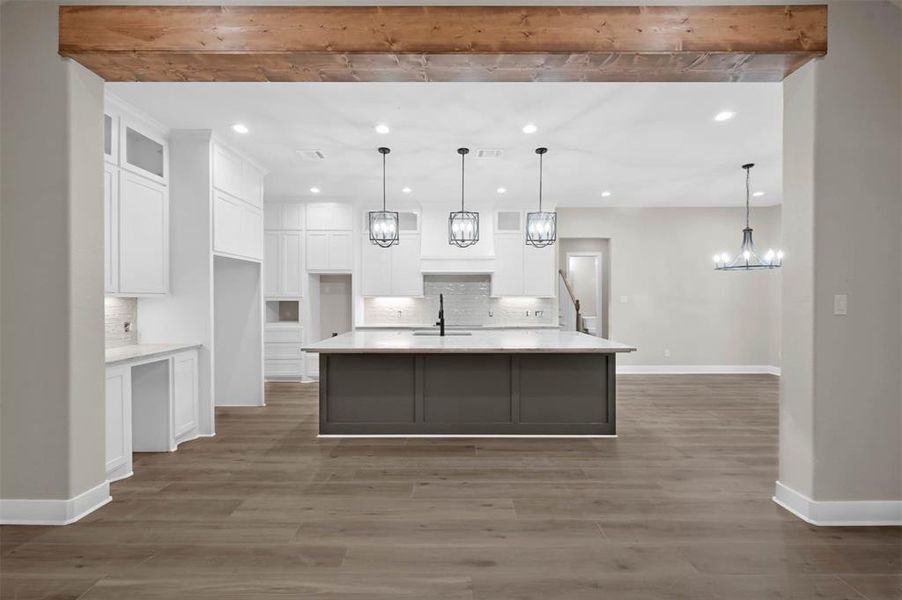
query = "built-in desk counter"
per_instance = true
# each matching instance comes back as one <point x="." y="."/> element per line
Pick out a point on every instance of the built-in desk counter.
<point x="151" y="401"/>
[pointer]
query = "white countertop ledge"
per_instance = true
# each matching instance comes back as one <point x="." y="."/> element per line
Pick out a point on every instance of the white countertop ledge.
<point x="480" y="342"/>
<point x="143" y="351"/>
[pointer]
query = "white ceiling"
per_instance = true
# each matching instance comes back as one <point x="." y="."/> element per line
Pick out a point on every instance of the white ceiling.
<point x="649" y="144"/>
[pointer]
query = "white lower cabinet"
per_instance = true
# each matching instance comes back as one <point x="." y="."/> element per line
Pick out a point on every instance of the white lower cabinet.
<point x="393" y="271"/>
<point x="330" y="251"/>
<point x="118" y="422"/>
<point x="282" y="355"/>
<point x="283" y="262"/>
<point x="184" y="393"/>
<point x="143" y="235"/>
<point x="237" y="227"/>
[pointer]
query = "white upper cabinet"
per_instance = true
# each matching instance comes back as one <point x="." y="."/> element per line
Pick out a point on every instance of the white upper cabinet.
<point x="110" y="228"/>
<point x="394" y="271"/>
<point x="237" y="205"/>
<point x="277" y="215"/>
<point x="520" y="269"/>
<point x="136" y="203"/>
<point x="271" y="264"/>
<point x="507" y="279"/>
<point x="283" y="262"/>
<point x="143" y="236"/>
<point x="330" y="251"/>
<point x="143" y="150"/>
<point x="329" y="216"/>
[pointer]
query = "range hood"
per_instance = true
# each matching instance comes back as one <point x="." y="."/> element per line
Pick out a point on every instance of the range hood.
<point x="457" y="265"/>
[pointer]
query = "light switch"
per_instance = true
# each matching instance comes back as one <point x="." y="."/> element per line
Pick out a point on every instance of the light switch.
<point x="840" y="304"/>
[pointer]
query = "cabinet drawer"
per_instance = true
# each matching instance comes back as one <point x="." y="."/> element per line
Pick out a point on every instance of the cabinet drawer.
<point x="282" y="350"/>
<point x="282" y="335"/>
<point x="282" y="367"/>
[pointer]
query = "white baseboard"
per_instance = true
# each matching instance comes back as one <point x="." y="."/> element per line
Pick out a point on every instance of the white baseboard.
<point x="696" y="369"/>
<point x="54" y="512"/>
<point x="835" y="513"/>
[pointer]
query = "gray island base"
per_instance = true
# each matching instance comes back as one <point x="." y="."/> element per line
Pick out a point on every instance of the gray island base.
<point x="487" y="383"/>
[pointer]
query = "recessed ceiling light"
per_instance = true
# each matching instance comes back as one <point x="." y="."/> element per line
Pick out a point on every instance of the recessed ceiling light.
<point x="758" y="194"/>
<point x="530" y="128"/>
<point x="314" y="190"/>
<point x="605" y="194"/>
<point x="382" y="128"/>
<point x="501" y="190"/>
<point x="240" y="128"/>
<point x="724" y="115"/>
<point x="406" y="190"/>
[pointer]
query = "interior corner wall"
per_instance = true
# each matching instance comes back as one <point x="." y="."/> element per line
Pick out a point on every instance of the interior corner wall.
<point x="52" y="263"/>
<point x="841" y="396"/>
<point x="660" y="264"/>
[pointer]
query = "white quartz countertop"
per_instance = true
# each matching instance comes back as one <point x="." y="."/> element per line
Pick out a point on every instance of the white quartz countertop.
<point x="480" y="342"/>
<point x="142" y="351"/>
<point x="430" y="326"/>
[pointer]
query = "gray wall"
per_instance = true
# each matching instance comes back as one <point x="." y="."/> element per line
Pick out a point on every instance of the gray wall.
<point x="661" y="261"/>
<point x="52" y="270"/>
<point x="840" y="408"/>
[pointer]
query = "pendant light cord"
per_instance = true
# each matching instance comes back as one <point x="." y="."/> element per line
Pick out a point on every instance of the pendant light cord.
<point x="462" y="167"/>
<point x="383" y="182"/>
<point x="748" y="173"/>
<point x="541" y="156"/>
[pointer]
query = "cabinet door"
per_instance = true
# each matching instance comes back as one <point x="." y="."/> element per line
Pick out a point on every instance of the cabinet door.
<point x="272" y="264"/>
<point x="143" y="151"/>
<point x="407" y="276"/>
<point x="253" y="185"/>
<point x="143" y="236"/>
<point x="118" y="422"/>
<point x="292" y="216"/>
<point x="272" y="216"/>
<point x="341" y="251"/>
<point x="110" y="137"/>
<point x="251" y="231"/>
<point x="539" y="271"/>
<point x="317" y="251"/>
<point x="319" y="216"/>
<point x="110" y="229"/>
<point x="227" y="171"/>
<point x="184" y="392"/>
<point x="377" y="265"/>
<point x="508" y="277"/>
<point x="227" y="213"/>
<point x="291" y="263"/>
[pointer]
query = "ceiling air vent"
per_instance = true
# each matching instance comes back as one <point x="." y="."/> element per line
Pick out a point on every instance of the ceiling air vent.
<point x="311" y="154"/>
<point x="488" y="153"/>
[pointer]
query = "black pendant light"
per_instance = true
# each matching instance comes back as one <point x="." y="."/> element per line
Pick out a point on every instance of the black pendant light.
<point x="384" y="223"/>
<point x="541" y="226"/>
<point x="748" y="258"/>
<point x="463" y="225"/>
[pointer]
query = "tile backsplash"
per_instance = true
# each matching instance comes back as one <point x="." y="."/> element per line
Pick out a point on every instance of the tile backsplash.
<point x="118" y="312"/>
<point x="468" y="302"/>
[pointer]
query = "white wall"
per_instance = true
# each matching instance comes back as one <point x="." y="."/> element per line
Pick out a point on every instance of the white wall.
<point x="661" y="262"/>
<point x="238" y="332"/>
<point x="52" y="268"/>
<point x="840" y="409"/>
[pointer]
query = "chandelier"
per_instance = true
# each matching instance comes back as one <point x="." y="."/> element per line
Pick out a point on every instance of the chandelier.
<point x="748" y="258"/>
<point x="463" y="225"/>
<point x="541" y="226"/>
<point x="383" y="223"/>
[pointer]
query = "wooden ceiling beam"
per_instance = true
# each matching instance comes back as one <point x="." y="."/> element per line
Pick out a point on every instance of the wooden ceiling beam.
<point x="443" y="43"/>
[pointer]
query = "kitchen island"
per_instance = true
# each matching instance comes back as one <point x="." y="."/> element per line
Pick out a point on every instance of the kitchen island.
<point x="505" y="382"/>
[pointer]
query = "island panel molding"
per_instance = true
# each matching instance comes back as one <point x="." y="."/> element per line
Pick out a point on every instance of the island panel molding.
<point x="443" y="43"/>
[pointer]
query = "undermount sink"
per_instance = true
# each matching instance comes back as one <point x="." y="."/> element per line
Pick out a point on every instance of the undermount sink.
<point x="447" y="333"/>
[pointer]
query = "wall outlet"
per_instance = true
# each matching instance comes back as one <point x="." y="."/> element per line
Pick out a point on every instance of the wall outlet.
<point x="127" y="326"/>
<point x="840" y="304"/>
<point x="667" y="353"/>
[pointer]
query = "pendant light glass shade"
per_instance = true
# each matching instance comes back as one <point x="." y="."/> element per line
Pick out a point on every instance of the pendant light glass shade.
<point x="541" y="226"/>
<point x="463" y="225"/>
<point x="749" y="257"/>
<point x="384" y="227"/>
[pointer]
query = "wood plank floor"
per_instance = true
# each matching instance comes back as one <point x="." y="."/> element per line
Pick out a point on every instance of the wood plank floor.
<point x="677" y="507"/>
